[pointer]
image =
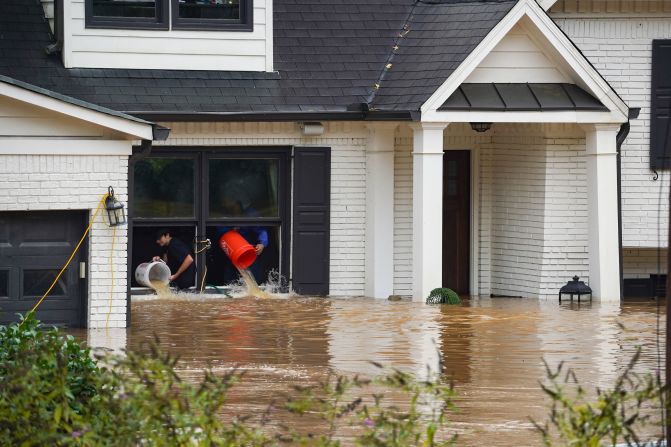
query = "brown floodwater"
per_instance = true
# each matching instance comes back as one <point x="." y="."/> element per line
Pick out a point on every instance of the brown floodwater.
<point x="492" y="348"/>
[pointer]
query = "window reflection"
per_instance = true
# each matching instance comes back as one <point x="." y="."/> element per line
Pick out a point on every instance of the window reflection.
<point x="209" y="9"/>
<point x="124" y="8"/>
<point x="37" y="282"/>
<point x="243" y="188"/>
<point x="164" y="187"/>
<point x="4" y="283"/>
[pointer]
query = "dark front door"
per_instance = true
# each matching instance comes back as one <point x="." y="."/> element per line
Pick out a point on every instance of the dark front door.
<point x="456" y="220"/>
<point x="34" y="246"/>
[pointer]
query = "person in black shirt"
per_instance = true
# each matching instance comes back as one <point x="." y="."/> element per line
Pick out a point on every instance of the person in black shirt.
<point x="178" y="257"/>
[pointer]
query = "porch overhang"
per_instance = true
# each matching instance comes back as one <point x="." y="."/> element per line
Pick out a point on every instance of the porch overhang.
<point x="563" y="116"/>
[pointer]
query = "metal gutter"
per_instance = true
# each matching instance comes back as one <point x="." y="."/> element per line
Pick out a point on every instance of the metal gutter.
<point x="358" y="115"/>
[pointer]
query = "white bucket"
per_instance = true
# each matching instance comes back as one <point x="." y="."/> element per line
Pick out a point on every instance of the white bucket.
<point x="152" y="271"/>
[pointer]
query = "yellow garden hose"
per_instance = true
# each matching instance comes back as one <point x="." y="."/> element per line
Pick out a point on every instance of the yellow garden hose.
<point x="109" y="312"/>
<point x="100" y="204"/>
<point x="72" y="255"/>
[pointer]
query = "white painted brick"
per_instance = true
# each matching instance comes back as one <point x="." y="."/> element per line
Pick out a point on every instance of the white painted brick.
<point x="620" y="48"/>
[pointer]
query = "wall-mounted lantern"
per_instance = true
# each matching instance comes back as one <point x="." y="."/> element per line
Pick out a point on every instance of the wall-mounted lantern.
<point x="481" y="127"/>
<point x="577" y="288"/>
<point x="115" y="213"/>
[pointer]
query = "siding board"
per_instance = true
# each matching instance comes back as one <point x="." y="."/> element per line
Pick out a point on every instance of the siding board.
<point x="168" y="49"/>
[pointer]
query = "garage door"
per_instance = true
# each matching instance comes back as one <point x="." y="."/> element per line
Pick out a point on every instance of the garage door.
<point x="33" y="248"/>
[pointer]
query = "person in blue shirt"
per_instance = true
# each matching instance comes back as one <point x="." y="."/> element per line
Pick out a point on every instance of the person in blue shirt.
<point x="255" y="235"/>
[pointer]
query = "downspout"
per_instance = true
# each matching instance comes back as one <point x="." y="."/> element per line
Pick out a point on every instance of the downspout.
<point x="621" y="136"/>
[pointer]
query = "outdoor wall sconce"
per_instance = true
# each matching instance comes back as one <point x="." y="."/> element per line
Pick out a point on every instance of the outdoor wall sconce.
<point x="481" y="127"/>
<point x="312" y="129"/>
<point x="115" y="213"/>
<point x="575" y="287"/>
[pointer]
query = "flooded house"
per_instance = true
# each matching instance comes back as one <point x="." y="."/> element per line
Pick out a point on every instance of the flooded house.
<point x="385" y="147"/>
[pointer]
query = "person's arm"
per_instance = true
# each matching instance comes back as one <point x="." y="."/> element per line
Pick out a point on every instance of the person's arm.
<point x="188" y="260"/>
<point x="262" y="238"/>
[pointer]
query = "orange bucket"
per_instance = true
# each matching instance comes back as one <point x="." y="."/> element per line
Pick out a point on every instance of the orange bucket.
<point x="241" y="252"/>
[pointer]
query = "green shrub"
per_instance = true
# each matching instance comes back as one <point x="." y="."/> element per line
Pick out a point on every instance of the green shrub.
<point x="47" y="383"/>
<point x="443" y="296"/>
<point x="417" y="418"/>
<point x="617" y="414"/>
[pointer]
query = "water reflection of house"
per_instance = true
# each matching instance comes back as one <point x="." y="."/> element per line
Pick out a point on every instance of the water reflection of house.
<point x="386" y="149"/>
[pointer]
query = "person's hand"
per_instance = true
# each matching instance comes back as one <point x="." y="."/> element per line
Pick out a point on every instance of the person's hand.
<point x="156" y="259"/>
<point x="172" y="278"/>
<point x="258" y="249"/>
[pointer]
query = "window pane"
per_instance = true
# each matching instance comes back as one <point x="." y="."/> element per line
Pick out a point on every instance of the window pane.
<point x="243" y="188"/>
<point x="163" y="187"/>
<point x="37" y="282"/>
<point x="124" y="8"/>
<point x="4" y="283"/>
<point x="209" y="9"/>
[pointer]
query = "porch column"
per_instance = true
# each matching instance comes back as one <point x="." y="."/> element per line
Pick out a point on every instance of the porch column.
<point x="604" y="257"/>
<point x="379" y="256"/>
<point x="427" y="208"/>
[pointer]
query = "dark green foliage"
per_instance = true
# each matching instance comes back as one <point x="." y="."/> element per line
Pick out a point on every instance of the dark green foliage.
<point x="47" y="382"/>
<point x="443" y="295"/>
<point x="615" y="415"/>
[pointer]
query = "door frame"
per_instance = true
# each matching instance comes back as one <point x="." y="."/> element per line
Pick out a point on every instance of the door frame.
<point x="474" y="243"/>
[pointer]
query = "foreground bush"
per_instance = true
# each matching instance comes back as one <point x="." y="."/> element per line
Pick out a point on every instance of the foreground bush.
<point x="53" y="393"/>
<point x="617" y="414"/>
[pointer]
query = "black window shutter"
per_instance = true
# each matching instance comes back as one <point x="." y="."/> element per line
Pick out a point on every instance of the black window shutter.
<point x="311" y="220"/>
<point x="660" y="107"/>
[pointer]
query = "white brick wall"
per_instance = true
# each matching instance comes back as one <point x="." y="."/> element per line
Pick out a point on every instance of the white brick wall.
<point x="514" y="170"/>
<point x="641" y="262"/>
<point x="565" y="251"/>
<point x="621" y="48"/>
<point x="63" y="182"/>
<point x="532" y="207"/>
<point x="348" y="181"/>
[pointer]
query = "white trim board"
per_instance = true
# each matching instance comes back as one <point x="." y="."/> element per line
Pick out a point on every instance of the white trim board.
<point x="131" y="129"/>
<point x="50" y="146"/>
<point x="546" y="4"/>
<point x="533" y="18"/>
<point x="568" y="116"/>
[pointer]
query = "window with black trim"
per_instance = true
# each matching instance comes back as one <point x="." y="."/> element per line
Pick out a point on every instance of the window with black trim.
<point x="212" y="14"/>
<point x="206" y="15"/>
<point x="127" y="14"/>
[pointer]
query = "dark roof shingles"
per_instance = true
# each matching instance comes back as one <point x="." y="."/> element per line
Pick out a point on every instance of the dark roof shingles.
<point x="329" y="54"/>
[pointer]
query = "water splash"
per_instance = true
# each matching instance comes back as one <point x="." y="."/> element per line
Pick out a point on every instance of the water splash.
<point x="252" y="286"/>
<point x="162" y="289"/>
<point x="275" y="286"/>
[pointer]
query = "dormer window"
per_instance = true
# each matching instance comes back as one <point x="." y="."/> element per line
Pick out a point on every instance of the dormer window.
<point x="205" y="15"/>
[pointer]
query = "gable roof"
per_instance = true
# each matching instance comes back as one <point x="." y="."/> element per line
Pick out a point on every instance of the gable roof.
<point x="584" y="74"/>
<point x="329" y="57"/>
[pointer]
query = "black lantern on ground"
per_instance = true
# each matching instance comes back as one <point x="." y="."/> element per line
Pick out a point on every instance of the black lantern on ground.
<point x="115" y="213"/>
<point x="575" y="287"/>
